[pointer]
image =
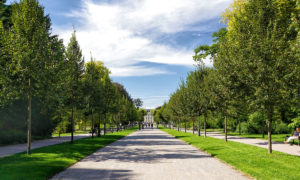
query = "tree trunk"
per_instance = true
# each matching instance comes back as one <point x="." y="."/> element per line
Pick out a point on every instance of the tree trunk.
<point x="104" y="130"/>
<point x="99" y="125"/>
<point x="185" y="126"/>
<point x="60" y="127"/>
<point x="119" y="122"/>
<point x="29" y="120"/>
<point x="193" y="126"/>
<point x="139" y="124"/>
<point x="205" y="125"/>
<point x="225" y="129"/>
<point x="72" y="124"/>
<point x="263" y="129"/>
<point x="199" y="126"/>
<point x="239" y="127"/>
<point x="269" y="132"/>
<point x="93" y="127"/>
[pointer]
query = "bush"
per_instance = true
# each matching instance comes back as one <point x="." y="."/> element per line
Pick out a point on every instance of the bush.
<point x="12" y="137"/>
<point x="295" y="123"/>
<point x="281" y="128"/>
<point x="13" y="120"/>
<point x="256" y="120"/>
<point x="244" y="127"/>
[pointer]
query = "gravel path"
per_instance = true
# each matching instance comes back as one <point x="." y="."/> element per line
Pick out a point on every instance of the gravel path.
<point x="13" y="149"/>
<point x="149" y="154"/>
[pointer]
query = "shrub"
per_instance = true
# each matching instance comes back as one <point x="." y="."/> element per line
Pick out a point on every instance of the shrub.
<point x="281" y="128"/>
<point x="295" y="123"/>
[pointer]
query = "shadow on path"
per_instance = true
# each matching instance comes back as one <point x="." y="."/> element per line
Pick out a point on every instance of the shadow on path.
<point x="82" y="173"/>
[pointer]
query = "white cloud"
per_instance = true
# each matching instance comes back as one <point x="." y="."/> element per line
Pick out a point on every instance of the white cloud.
<point x="137" y="71"/>
<point x="115" y="33"/>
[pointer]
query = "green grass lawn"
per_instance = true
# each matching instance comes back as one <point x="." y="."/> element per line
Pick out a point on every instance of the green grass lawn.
<point x="47" y="161"/>
<point x="69" y="134"/>
<point x="252" y="160"/>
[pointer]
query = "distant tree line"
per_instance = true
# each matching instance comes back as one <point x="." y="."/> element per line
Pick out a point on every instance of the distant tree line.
<point x="253" y="86"/>
<point x="46" y="87"/>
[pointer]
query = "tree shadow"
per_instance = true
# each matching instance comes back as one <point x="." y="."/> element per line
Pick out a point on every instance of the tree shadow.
<point x="143" y="155"/>
<point x="82" y="173"/>
<point x="147" y="149"/>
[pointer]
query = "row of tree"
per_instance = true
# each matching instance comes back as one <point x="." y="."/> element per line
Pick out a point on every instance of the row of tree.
<point x="256" y="69"/>
<point x="36" y="67"/>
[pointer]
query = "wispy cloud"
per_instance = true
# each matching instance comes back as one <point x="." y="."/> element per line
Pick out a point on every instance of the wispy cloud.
<point x="137" y="71"/>
<point x="122" y="34"/>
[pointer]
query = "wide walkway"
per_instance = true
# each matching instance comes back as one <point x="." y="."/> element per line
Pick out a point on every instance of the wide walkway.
<point x="276" y="146"/>
<point x="13" y="149"/>
<point x="149" y="154"/>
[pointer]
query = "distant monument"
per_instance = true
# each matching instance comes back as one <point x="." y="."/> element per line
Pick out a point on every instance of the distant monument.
<point x="149" y="118"/>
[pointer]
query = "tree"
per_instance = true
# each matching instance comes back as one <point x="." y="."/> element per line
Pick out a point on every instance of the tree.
<point x="29" y="48"/>
<point x="5" y="14"/>
<point x="75" y="64"/>
<point x="108" y="96"/>
<point x="258" y="36"/>
<point x="138" y="103"/>
<point x="199" y="94"/>
<point x="93" y="89"/>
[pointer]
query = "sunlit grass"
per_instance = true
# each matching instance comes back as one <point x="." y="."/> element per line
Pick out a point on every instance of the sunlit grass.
<point x="252" y="160"/>
<point x="47" y="161"/>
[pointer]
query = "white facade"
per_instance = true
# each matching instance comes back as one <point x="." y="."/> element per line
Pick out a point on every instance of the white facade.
<point x="149" y="119"/>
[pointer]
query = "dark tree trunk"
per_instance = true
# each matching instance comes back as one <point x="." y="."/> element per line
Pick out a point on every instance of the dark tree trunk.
<point x="104" y="130"/>
<point x="239" y="127"/>
<point x="199" y="126"/>
<point x="269" y="131"/>
<point x="263" y="129"/>
<point x="93" y="126"/>
<point x="205" y="116"/>
<point x="29" y="120"/>
<point x="60" y="127"/>
<point x="99" y="125"/>
<point x="193" y="126"/>
<point x="185" y="126"/>
<point x="225" y="129"/>
<point x="72" y="124"/>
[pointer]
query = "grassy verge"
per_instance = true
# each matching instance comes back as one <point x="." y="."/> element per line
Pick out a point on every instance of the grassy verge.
<point x="69" y="134"/>
<point x="47" y="161"/>
<point x="252" y="160"/>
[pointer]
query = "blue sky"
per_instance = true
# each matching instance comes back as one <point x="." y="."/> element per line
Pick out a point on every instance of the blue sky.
<point x="147" y="44"/>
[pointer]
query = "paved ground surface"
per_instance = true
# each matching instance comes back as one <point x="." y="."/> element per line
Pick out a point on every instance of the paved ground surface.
<point x="149" y="154"/>
<point x="277" y="146"/>
<point x="13" y="149"/>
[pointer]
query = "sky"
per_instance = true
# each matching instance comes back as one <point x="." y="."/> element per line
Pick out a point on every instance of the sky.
<point x="148" y="45"/>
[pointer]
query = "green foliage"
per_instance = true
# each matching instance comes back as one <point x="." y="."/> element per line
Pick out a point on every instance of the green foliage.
<point x="295" y="123"/>
<point x="5" y="14"/>
<point x="34" y="64"/>
<point x="281" y="128"/>
<point x="13" y="122"/>
<point x="256" y="70"/>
